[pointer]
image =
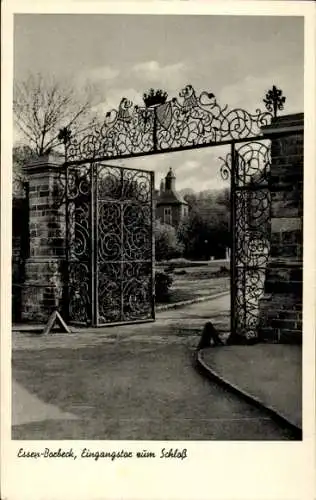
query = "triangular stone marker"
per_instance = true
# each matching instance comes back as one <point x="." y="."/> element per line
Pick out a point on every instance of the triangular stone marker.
<point x="54" y="318"/>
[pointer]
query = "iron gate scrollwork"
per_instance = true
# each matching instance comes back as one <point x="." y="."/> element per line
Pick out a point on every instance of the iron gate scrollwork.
<point x="110" y="244"/>
<point x="110" y="214"/>
<point x="163" y="125"/>
<point x="248" y="166"/>
<point x="79" y="232"/>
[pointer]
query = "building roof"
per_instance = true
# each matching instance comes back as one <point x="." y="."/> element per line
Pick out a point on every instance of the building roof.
<point x="170" y="197"/>
<point x="168" y="194"/>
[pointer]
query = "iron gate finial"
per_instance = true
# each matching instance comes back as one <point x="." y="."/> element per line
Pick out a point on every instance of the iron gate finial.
<point x="274" y="100"/>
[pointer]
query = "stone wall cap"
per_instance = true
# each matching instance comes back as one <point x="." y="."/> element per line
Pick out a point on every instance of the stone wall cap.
<point x="293" y="122"/>
<point x="289" y="118"/>
<point x="48" y="162"/>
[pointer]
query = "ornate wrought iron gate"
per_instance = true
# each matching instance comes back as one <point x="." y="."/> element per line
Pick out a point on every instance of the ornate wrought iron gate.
<point x="110" y="216"/>
<point x="250" y="215"/>
<point x="110" y="249"/>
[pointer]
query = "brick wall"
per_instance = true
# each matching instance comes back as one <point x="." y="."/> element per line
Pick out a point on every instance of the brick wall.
<point x="43" y="289"/>
<point x="281" y="306"/>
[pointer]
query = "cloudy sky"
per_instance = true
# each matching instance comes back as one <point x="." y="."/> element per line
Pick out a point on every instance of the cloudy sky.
<point x="238" y="58"/>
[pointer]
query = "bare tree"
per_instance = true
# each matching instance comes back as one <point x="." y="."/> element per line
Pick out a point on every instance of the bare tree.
<point x="43" y="107"/>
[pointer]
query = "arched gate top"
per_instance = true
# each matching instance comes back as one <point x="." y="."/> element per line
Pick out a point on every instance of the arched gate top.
<point x="164" y="125"/>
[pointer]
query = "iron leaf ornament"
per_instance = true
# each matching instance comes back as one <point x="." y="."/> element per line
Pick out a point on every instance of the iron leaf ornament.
<point x="274" y="100"/>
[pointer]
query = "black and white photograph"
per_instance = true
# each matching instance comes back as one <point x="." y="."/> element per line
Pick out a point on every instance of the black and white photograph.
<point x="157" y="227"/>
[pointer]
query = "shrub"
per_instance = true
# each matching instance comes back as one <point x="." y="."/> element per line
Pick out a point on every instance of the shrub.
<point x="224" y="271"/>
<point x="163" y="282"/>
<point x="167" y="244"/>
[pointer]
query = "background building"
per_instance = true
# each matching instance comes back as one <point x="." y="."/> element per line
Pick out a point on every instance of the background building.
<point x="171" y="207"/>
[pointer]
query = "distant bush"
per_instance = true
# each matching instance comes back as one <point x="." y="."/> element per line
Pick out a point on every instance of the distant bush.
<point x="167" y="245"/>
<point x="163" y="282"/>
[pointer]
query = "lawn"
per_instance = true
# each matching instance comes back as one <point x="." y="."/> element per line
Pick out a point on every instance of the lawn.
<point x="196" y="280"/>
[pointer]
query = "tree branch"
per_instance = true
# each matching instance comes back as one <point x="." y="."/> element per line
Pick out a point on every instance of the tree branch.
<point x="41" y="108"/>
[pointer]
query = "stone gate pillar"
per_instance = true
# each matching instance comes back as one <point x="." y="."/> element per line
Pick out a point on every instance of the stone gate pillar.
<point x="281" y="307"/>
<point x="43" y="289"/>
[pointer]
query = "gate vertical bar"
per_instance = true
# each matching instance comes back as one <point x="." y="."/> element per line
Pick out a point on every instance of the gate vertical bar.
<point x="155" y="139"/>
<point x="153" y="256"/>
<point x="233" y="238"/>
<point x="92" y="243"/>
<point x="121" y="205"/>
<point x="67" y="312"/>
<point x="245" y="268"/>
<point x="96" y="253"/>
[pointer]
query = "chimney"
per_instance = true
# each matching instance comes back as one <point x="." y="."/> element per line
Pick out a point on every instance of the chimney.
<point x="162" y="186"/>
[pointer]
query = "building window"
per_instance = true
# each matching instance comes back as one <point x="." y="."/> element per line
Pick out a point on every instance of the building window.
<point x="185" y="210"/>
<point x="167" y="216"/>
